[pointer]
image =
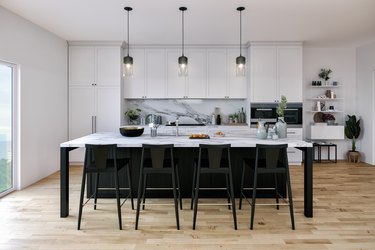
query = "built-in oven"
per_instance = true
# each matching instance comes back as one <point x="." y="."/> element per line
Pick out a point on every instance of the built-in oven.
<point x="267" y="112"/>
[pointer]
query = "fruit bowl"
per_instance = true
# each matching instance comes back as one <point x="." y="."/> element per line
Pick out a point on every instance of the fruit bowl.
<point x="131" y="131"/>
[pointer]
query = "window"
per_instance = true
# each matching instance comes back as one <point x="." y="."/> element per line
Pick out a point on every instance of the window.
<point x="7" y="83"/>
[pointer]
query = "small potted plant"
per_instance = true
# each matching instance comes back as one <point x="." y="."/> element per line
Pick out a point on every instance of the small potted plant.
<point x="281" y="125"/>
<point x="352" y="132"/>
<point x="133" y="115"/>
<point x="324" y="74"/>
<point x="329" y="119"/>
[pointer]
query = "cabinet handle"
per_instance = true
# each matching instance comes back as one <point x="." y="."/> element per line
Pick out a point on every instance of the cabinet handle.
<point x="291" y="132"/>
<point x="95" y="123"/>
<point x="92" y="124"/>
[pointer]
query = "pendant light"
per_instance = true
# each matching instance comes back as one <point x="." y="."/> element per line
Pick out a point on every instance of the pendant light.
<point x="182" y="60"/>
<point x="240" y="60"/>
<point x="128" y="60"/>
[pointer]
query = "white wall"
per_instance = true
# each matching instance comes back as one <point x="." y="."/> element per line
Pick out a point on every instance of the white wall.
<point x="342" y="61"/>
<point x="366" y="100"/>
<point x="42" y="59"/>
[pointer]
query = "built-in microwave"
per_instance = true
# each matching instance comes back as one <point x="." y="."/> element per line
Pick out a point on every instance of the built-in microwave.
<point x="267" y="112"/>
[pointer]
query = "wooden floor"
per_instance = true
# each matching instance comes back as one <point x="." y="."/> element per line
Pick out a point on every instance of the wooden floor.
<point x="344" y="218"/>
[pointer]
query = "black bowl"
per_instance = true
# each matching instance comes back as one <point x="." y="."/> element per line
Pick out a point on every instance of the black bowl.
<point x="131" y="131"/>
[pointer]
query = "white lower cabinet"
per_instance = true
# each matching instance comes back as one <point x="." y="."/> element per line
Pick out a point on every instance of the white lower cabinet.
<point x="92" y="109"/>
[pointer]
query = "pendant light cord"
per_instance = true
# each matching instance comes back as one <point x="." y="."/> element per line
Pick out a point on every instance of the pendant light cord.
<point x="240" y="32"/>
<point x="128" y="33"/>
<point x="183" y="31"/>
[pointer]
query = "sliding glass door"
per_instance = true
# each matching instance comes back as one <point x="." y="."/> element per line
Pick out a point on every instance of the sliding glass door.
<point x="7" y="78"/>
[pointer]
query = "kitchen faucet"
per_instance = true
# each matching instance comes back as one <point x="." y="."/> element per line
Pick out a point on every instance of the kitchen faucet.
<point x="177" y="121"/>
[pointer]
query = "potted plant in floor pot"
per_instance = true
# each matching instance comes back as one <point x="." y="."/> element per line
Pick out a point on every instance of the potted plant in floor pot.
<point x="324" y="74"/>
<point x="281" y="125"/>
<point x="133" y="115"/>
<point x="352" y="132"/>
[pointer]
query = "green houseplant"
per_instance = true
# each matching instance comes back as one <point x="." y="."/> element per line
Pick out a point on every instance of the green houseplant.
<point x="281" y="126"/>
<point x="352" y="129"/>
<point x="133" y="114"/>
<point x="324" y="74"/>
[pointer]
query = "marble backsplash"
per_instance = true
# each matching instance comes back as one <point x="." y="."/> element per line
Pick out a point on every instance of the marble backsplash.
<point x="188" y="111"/>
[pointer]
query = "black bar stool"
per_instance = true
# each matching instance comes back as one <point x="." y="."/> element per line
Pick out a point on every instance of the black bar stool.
<point x="212" y="161"/>
<point x="103" y="159"/>
<point x="155" y="160"/>
<point x="269" y="159"/>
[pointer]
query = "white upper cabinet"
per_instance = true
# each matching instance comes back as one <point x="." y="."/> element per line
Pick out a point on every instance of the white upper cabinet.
<point x="197" y="74"/>
<point x="217" y="73"/>
<point x="290" y="72"/>
<point x="176" y="85"/>
<point x="82" y="65"/>
<point x="276" y="70"/>
<point x="237" y="86"/>
<point x="134" y="86"/>
<point x="94" y="65"/>
<point x="155" y="73"/>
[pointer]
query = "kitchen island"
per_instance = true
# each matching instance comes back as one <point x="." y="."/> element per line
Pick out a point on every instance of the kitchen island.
<point x="242" y="145"/>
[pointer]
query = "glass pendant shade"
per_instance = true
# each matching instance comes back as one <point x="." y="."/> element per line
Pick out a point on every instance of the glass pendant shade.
<point x="127" y="66"/>
<point x="182" y="66"/>
<point x="240" y="66"/>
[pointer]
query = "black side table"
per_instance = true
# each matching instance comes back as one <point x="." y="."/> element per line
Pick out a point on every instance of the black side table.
<point x="319" y="145"/>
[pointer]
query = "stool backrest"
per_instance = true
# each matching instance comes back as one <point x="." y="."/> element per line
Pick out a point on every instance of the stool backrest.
<point x="215" y="154"/>
<point x="275" y="156"/>
<point x="97" y="155"/>
<point x="158" y="154"/>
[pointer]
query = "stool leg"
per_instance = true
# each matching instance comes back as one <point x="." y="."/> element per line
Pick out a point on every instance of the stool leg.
<point x="178" y="186"/>
<point x="232" y="197"/>
<point x="242" y="183"/>
<point x="276" y="191"/>
<point x="329" y="153"/>
<point x="228" y="188"/>
<point x="118" y="199"/>
<point x="290" y="198"/>
<point x="335" y="154"/>
<point x="193" y="186"/>
<point x="196" y="198"/>
<point x="144" y="191"/>
<point x="253" y="199"/>
<point x="175" y="197"/>
<point x="81" y="198"/>
<point x="130" y="185"/>
<point x="96" y="190"/>
<point x="139" y="197"/>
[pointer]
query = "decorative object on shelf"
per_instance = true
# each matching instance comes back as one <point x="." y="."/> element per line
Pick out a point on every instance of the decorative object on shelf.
<point x="324" y="74"/>
<point x="240" y="60"/>
<point x="128" y="60"/>
<point x="352" y="131"/>
<point x="318" y="117"/>
<point x="334" y="83"/>
<point x="133" y="115"/>
<point x="329" y="119"/>
<point x="281" y="126"/>
<point x="182" y="60"/>
<point x="262" y="129"/>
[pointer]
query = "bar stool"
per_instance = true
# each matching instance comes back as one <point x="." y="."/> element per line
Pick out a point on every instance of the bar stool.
<point x="212" y="161"/>
<point x="101" y="159"/>
<point x="275" y="162"/>
<point x="155" y="160"/>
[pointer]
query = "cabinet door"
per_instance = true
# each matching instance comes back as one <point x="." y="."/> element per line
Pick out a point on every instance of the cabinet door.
<point x="290" y="72"/>
<point x="197" y="74"/>
<point x="176" y="87"/>
<point x="155" y="73"/>
<point x="81" y="65"/>
<point x="237" y="86"/>
<point x="108" y="66"/>
<point x="263" y="74"/>
<point x="81" y="116"/>
<point x="107" y="109"/>
<point x="135" y="85"/>
<point x="217" y="76"/>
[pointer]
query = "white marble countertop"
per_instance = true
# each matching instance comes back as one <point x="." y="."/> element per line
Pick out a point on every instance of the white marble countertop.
<point x="236" y="140"/>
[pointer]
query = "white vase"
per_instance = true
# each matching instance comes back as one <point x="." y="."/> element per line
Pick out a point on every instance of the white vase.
<point x="281" y="127"/>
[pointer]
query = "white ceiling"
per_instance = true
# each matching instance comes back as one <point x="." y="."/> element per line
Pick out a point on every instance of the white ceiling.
<point x="316" y="22"/>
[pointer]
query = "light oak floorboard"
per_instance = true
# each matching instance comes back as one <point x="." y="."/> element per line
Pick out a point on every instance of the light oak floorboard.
<point x="344" y="218"/>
